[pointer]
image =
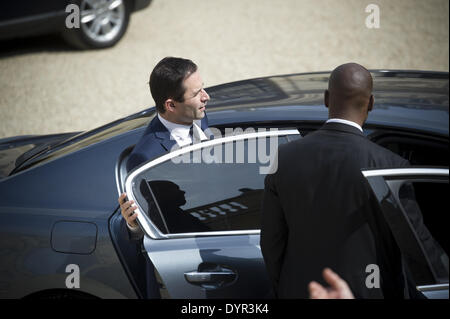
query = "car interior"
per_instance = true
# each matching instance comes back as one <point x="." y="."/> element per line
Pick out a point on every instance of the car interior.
<point x="419" y="150"/>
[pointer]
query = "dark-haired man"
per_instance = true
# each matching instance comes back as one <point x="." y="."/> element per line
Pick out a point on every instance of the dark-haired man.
<point x="177" y="88"/>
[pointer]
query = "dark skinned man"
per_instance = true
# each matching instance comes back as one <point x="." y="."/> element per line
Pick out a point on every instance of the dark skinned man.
<point x="318" y="210"/>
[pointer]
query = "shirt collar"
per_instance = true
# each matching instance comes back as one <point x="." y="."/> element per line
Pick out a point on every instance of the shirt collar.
<point x="342" y="121"/>
<point x="180" y="132"/>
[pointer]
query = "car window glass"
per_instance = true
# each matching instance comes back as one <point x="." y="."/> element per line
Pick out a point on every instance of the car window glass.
<point x="221" y="191"/>
<point x="433" y="204"/>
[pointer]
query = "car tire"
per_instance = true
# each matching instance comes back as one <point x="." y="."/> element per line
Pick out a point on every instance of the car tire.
<point x="102" y="23"/>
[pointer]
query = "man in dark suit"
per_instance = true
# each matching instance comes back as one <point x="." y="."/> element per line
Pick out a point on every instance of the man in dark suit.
<point x="177" y="88"/>
<point x="318" y="210"/>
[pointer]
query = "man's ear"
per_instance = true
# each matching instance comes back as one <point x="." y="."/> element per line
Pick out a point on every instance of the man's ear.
<point x="169" y="105"/>
<point x="326" y="97"/>
<point x="371" y="102"/>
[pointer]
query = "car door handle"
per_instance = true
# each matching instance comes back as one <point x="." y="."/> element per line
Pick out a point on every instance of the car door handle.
<point x="211" y="279"/>
<point x="208" y="277"/>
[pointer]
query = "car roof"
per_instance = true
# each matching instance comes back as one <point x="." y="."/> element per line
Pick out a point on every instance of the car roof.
<point x="410" y="100"/>
<point x="416" y="100"/>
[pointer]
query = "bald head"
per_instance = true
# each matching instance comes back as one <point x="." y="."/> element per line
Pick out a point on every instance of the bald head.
<point x="349" y="94"/>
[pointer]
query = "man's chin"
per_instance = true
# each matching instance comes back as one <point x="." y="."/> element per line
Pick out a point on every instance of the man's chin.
<point x="200" y="115"/>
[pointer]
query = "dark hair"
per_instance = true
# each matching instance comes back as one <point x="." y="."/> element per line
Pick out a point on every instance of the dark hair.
<point x="166" y="80"/>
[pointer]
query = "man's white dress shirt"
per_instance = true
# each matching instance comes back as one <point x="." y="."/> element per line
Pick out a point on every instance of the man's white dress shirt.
<point x="345" y="122"/>
<point x="180" y="132"/>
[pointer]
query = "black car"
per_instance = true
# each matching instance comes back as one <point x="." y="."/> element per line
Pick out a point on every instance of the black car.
<point x="60" y="224"/>
<point x="85" y="24"/>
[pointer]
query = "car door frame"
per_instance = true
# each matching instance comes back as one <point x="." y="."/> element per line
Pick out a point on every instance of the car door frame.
<point x="144" y="222"/>
<point x="187" y="245"/>
<point x="386" y="184"/>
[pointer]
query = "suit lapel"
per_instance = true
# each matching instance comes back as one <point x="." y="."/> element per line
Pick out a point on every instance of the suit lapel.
<point x="165" y="140"/>
<point x="163" y="135"/>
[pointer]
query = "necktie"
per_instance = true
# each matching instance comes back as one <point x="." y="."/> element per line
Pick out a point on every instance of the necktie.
<point x="193" y="136"/>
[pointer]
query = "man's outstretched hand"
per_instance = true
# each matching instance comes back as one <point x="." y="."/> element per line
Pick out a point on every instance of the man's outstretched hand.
<point x="338" y="289"/>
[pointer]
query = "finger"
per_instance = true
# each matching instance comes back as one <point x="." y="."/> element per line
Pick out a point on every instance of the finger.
<point x="316" y="291"/>
<point x="130" y="211"/>
<point x="127" y="210"/>
<point x="334" y="280"/>
<point x="132" y="218"/>
<point x="126" y="205"/>
<point x="121" y="198"/>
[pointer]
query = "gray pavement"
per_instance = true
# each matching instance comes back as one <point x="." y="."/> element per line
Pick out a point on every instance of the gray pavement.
<point x="45" y="87"/>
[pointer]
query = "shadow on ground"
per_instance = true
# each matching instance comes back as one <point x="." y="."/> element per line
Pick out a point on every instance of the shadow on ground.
<point x="34" y="44"/>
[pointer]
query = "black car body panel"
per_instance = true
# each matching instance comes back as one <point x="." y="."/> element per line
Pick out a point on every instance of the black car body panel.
<point x="15" y="150"/>
<point x="72" y="182"/>
<point x="35" y="200"/>
<point x="29" y="17"/>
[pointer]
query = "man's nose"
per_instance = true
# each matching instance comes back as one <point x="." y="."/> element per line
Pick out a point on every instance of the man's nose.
<point x="205" y="96"/>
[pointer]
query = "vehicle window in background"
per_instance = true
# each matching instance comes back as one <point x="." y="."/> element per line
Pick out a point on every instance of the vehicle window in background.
<point x="417" y="150"/>
<point x="196" y="196"/>
<point x="432" y="198"/>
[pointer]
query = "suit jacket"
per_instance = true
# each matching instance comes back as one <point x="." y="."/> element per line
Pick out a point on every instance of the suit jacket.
<point x="154" y="142"/>
<point x="318" y="211"/>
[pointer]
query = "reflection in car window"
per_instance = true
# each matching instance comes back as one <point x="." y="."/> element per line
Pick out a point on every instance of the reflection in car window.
<point x="433" y="203"/>
<point x="195" y="196"/>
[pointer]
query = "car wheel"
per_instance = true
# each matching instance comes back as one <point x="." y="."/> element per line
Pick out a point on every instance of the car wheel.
<point x="102" y="23"/>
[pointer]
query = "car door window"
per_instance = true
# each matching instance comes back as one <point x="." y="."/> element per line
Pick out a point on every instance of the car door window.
<point x="217" y="192"/>
<point x="417" y="149"/>
<point x="409" y="197"/>
<point x="431" y="198"/>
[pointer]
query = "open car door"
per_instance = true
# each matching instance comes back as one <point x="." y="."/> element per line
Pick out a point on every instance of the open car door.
<point x="401" y="190"/>
<point x="199" y="207"/>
